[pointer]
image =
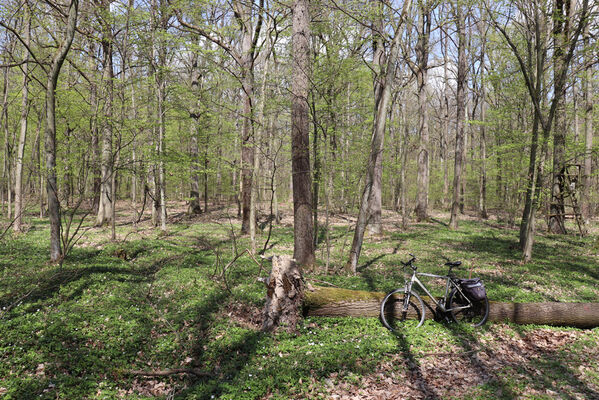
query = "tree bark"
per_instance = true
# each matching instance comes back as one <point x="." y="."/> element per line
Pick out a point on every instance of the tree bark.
<point x="461" y="106"/>
<point x="335" y="302"/>
<point x="50" y="135"/>
<point x="284" y="295"/>
<point x="23" y="123"/>
<point x="303" y="229"/>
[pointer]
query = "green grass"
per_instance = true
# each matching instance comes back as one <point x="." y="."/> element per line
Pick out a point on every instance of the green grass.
<point x="156" y="302"/>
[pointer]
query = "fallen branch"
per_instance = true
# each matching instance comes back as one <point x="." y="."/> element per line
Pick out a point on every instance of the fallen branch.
<point x="176" y="371"/>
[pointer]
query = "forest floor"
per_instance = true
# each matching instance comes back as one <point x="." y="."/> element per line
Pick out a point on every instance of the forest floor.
<point x="170" y="303"/>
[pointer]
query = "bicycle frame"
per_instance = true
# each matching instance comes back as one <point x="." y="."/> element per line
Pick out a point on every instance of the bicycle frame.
<point x="448" y="283"/>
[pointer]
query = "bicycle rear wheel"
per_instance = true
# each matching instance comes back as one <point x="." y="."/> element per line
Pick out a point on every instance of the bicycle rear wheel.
<point x="392" y="312"/>
<point x="476" y="314"/>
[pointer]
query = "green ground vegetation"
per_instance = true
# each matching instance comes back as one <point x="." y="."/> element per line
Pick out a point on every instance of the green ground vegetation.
<point x="156" y="302"/>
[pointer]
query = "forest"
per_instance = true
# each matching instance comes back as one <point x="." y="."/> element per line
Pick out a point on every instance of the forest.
<point x="156" y="155"/>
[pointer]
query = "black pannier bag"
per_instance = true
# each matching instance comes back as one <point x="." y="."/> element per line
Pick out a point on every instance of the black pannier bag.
<point x="473" y="288"/>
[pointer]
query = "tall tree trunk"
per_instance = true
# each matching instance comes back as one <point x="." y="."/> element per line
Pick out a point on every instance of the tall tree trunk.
<point x="445" y="140"/>
<point x="376" y="146"/>
<point x="247" y="150"/>
<point x="195" y="203"/>
<point x="588" y="130"/>
<point x="461" y="107"/>
<point x="258" y="135"/>
<point x="23" y="123"/>
<point x="161" y="135"/>
<point x="379" y="59"/>
<point x="422" y="53"/>
<point x="95" y="145"/>
<point x="106" y="195"/>
<point x="482" y="198"/>
<point x="50" y="135"/>
<point x="527" y="224"/>
<point x="317" y="171"/>
<point x="560" y="32"/>
<point x="6" y="167"/>
<point x="303" y="230"/>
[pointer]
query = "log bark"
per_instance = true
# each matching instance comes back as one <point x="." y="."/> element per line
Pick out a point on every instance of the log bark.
<point x="336" y="302"/>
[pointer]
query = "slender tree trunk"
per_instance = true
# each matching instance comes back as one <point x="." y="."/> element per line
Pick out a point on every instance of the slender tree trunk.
<point x="259" y="134"/>
<point x="95" y="147"/>
<point x="23" y="123"/>
<point x="482" y="199"/>
<point x="6" y="168"/>
<point x="379" y="60"/>
<point x="106" y="195"/>
<point x="161" y="134"/>
<point x="461" y="106"/>
<point x="556" y="208"/>
<point x="194" y="204"/>
<point x="402" y="175"/>
<point x="247" y="150"/>
<point x="445" y="140"/>
<point x="317" y="172"/>
<point x="50" y="135"/>
<point x="588" y="131"/>
<point x="376" y="146"/>
<point x="422" y="53"/>
<point x="303" y="230"/>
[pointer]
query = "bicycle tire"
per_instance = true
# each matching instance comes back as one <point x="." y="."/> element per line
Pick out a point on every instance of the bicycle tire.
<point x="477" y="315"/>
<point x="391" y="306"/>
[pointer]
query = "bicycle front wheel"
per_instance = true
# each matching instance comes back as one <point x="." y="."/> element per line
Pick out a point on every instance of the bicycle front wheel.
<point x="462" y="310"/>
<point x="393" y="313"/>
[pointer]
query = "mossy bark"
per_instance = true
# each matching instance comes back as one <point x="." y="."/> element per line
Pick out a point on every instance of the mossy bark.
<point x="335" y="302"/>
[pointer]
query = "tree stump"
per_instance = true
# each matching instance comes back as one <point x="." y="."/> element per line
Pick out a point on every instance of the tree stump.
<point x="284" y="295"/>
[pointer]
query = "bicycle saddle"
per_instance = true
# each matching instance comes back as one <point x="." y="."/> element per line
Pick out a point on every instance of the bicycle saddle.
<point x="453" y="264"/>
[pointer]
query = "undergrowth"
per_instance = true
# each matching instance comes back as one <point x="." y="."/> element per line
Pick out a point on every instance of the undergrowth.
<point x="156" y="302"/>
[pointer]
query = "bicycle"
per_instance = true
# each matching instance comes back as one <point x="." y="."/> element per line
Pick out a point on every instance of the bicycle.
<point x="455" y="305"/>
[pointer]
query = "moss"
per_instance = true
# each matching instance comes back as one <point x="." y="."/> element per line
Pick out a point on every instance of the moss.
<point x="327" y="295"/>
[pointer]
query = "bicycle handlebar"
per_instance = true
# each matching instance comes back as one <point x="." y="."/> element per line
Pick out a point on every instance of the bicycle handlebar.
<point x="410" y="262"/>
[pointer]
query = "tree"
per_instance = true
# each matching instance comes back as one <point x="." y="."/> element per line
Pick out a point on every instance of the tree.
<point x="421" y="72"/>
<point x="532" y="66"/>
<point x="588" y="127"/>
<point x="106" y="202"/>
<point x="244" y="14"/>
<point x="50" y="135"/>
<point x="303" y="249"/>
<point x="369" y="194"/>
<point x="460" y="114"/>
<point x="23" y="122"/>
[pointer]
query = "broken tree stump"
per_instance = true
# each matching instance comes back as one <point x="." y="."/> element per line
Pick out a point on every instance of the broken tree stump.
<point x="336" y="302"/>
<point x="284" y="295"/>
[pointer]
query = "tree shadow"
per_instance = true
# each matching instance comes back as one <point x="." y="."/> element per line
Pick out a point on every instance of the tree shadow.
<point x="414" y="368"/>
<point x="522" y="359"/>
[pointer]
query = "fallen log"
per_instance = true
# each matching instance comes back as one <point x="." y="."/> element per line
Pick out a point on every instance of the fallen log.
<point x="336" y="302"/>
